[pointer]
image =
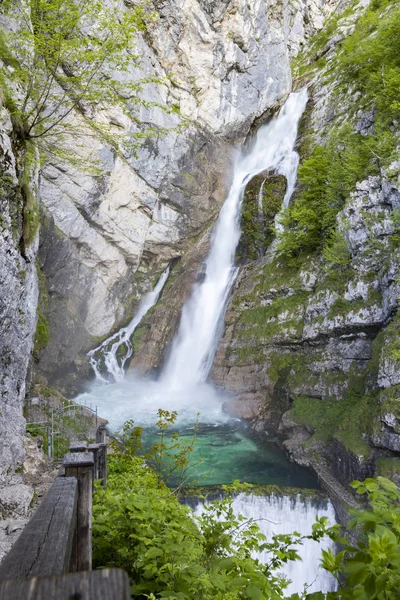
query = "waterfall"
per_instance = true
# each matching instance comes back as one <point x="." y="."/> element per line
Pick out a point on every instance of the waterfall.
<point x="123" y="336"/>
<point x="194" y="347"/>
<point x="260" y="201"/>
<point x="284" y="514"/>
<point x="261" y="248"/>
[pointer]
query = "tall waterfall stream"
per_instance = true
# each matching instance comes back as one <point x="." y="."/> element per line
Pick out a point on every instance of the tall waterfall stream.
<point x="230" y="450"/>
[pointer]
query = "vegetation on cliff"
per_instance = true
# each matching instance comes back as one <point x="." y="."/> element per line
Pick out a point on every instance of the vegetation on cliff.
<point x="332" y="277"/>
<point x="365" y="72"/>
<point x="66" y="57"/>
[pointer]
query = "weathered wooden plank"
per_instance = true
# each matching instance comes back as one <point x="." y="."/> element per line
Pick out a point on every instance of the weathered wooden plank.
<point x="95" y="449"/>
<point x="44" y="547"/>
<point x="101" y="435"/>
<point x="78" y="447"/>
<point x="80" y="465"/>
<point x="108" y="584"/>
<point x="103" y="464"/>
<point x="78" y="459"/>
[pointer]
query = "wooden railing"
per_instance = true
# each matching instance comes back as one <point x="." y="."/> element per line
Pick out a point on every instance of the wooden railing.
<point x="52" y="558"/>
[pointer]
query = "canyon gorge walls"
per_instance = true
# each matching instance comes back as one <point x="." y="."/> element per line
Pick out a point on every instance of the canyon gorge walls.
<point x="310" y="345"/>
<point x="19" y="293"/>
<point x="106" y="237"/>
<point x="310" y="342"/>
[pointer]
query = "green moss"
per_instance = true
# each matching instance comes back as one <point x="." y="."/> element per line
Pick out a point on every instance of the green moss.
<point x="347" y="420"/>
<point x="31" y="218"/>
<point x="250" y="355"/>
<point x="47" y="391"/>
<point x="258" y="229"/>
<point x="388" y="467"/>
<point x="389" y="402"/>
<point x="38" y="431"/>
<point x="280" y="363"/>
<point x="257" y="490"/>
<point x="42" y="334"/>
<point x="282" y="314"/>
<point x="344" y="307"/>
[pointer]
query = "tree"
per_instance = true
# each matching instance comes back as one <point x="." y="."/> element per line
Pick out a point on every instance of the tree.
<point x="370" y="567"/>
<point x="74" y="55"/>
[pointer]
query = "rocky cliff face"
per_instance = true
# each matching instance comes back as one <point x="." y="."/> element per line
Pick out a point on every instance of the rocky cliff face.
<point x="105" y="238"/>
<point x="310" y="341"/>
<point x="18" y="301"/>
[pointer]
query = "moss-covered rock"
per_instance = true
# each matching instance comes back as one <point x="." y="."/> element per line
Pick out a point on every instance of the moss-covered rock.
<point x="262" y="200"/>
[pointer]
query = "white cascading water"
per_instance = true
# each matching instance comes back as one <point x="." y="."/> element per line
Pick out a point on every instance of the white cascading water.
<point x="194" y="347"/>
<point x="123" y="336"/>
<point x="260" y="200"/>
<point x="283" y="514"/>
<point x="261" y="249"/>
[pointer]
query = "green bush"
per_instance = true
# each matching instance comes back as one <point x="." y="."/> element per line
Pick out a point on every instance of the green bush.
<point x="366" y="74"/>
<point x="140" y="526"/>
<point x="326" y="178"/>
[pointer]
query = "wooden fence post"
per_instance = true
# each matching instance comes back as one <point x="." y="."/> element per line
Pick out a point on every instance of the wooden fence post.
<point x="45" y="546"/>
<point x="95" y="449"/>
<point x="80" y="465"/>
<point x="101" y="440"/>
<point x="101" y="435"/>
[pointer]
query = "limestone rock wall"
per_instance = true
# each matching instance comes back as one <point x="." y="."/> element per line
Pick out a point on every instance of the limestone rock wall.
<point x="312" y="351"/>
<point x="229" y="67"/>
<point x="18" y="301"/>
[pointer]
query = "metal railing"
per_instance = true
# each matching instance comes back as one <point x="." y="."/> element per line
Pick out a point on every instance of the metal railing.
<point x="63" y="423"/>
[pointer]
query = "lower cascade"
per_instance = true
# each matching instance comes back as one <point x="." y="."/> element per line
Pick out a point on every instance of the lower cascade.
<point x="182" y="384"/>
<point x="109" y="348"/>
<point x="283" y="514"/>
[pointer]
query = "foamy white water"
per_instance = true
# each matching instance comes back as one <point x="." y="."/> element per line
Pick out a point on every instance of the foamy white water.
<point x="194" y="346"/>
<point x="138" y="398"/>
<point x="283" y="514"/>
<point x="109" y="348"/>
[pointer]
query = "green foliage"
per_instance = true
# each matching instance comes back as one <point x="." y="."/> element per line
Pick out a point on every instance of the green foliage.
<point x="371" y="566"/>
<point x="29" y="193"/>
<point x="365" y="72"/>
<point x="326" y="178"/>
<point x="336" y="253"/>
<point x="258" y="229"/>
<point x="347" y="420"/>
<point x="370" y="62"/>
<point x="42" y="334"/>
<point x="388" y="467"/>
<point x="67" y="56"/>
<point x="140" y="525"/>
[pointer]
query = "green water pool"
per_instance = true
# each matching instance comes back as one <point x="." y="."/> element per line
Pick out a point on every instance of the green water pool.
<point x="227" y="452"/>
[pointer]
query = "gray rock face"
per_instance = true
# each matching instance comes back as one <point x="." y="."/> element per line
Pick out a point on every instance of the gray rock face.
<point x="10" y="530"/>
<point x="317" y="333"/>
<point x="225" y="64"/>
<point x="18" y="300"/>
<point x="16" y="499"/>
